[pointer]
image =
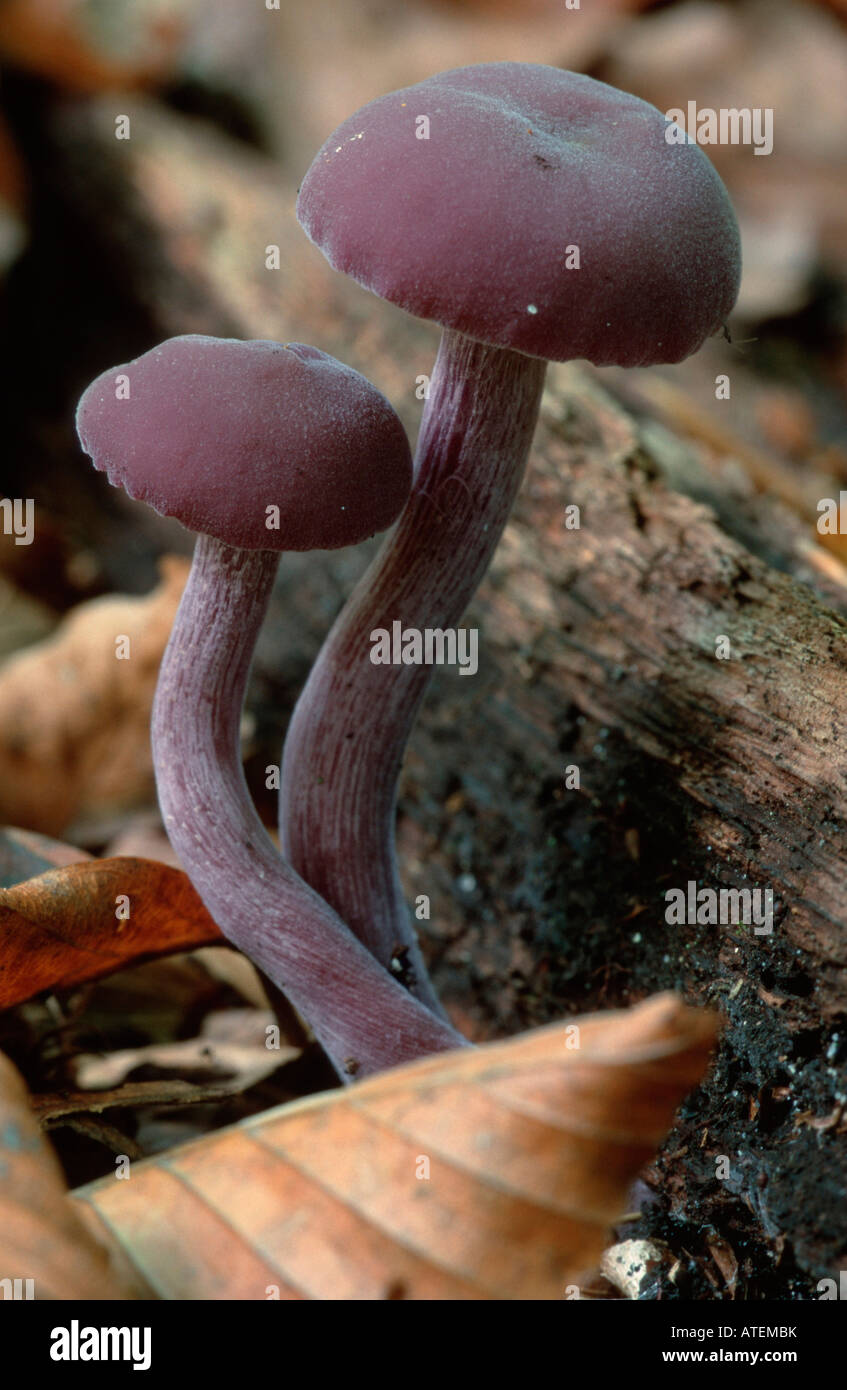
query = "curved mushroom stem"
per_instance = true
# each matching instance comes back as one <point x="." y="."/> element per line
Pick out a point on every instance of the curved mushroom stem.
<point x="363" y="1017"/>
<point x="347" y="736"/>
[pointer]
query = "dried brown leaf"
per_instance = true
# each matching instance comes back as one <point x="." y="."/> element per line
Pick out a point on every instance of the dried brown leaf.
<point x="491" y="1173"/>
<point x="43" y="1237"/>
<point x="51" y="1109"/>
<point x="75" y="719"/>
<point x="203" y="1058"/>
<point x="61" y="928"/>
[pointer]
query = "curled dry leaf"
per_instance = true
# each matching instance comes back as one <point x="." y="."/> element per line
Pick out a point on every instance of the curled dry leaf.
<point x="242" y="1062"/>
<point x="43" y="1237"/>
<point x="66" y="1106"/>
<point x="61" y="928"/>
<point x="75" y="709"/>
<point x="488" y="1173"/>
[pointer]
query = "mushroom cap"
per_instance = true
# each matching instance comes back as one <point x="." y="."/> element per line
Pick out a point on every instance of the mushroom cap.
<point x="216" y="431"/>
<point x="471" y="227"/>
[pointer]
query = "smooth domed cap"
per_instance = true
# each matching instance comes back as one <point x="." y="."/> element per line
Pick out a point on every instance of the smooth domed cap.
<point x="216" y="432"/>
<point x="471" y="227"/>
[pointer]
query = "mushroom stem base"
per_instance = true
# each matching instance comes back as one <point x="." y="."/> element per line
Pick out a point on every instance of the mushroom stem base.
<point x="363" y="1017"/>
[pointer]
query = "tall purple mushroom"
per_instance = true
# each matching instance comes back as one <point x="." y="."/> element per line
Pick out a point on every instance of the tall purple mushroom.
<point x="471" y="217"/>
<point x="261" y="448"/>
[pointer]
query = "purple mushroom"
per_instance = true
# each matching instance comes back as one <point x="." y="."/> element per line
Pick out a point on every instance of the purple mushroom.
<point x="261" y="448"/>
<point x="535" y="214"/>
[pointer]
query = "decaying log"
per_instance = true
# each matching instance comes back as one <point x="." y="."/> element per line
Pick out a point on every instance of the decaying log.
<point x="683" y="648"/>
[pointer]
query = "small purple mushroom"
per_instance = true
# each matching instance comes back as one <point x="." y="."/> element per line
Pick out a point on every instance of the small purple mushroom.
<point x="535" y="214"/>
<point x="261" y="448"/>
